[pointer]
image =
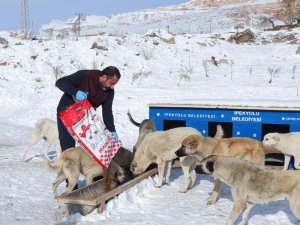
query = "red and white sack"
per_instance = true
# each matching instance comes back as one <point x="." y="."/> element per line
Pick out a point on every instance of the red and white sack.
<point x="86" y="127"/>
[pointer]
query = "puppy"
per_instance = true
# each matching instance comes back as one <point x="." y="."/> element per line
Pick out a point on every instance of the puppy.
<point x="189" y="163"/>
<point x="157" y="147"/>
<point x="251" y="184"/>
<point x="46" y="129"/>
<point x="288" y="144"/>
<point x="76" y="161"/>
<point x="124" y="158"/>
<point x="201" y="147"/>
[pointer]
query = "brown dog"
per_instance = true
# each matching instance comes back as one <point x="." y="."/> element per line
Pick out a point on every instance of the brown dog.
<point x="201" y="147"/>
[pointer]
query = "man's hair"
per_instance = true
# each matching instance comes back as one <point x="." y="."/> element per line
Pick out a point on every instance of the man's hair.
<point x="111" y="71"/>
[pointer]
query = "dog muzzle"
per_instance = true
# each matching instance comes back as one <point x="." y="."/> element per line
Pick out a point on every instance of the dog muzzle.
<point x="181" y="151"/>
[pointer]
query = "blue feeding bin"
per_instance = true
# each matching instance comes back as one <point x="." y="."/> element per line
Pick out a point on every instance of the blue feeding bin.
<point x="236" y="121"/>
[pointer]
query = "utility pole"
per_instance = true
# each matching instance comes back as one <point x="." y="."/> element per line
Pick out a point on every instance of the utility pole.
<point x="77" y="23"/>
<point x="25" y="19"/>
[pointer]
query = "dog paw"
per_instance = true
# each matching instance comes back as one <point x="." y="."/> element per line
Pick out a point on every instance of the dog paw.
<point x="157" y="185"/>
<point x="183" y="190"/>
<point x="66" y="212"/>
<point x="166" y="183"/>
<point x="210" y="201"/>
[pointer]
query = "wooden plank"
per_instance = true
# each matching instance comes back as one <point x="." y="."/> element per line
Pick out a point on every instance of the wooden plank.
<point x="101" y="207"/>
<point x="94" y="194"/>
<point x="84" y="195"/>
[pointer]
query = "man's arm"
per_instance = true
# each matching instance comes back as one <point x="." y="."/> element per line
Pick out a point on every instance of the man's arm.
<point x="107" y="113"/>
<point x="69" y="84"/>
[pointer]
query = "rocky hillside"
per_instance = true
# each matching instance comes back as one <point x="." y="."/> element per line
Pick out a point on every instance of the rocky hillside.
<point x="192" y="17"/>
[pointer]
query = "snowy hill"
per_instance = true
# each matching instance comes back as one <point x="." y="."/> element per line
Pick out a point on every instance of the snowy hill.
<point x="157" y="66"/>
<point x="192" y="17"/>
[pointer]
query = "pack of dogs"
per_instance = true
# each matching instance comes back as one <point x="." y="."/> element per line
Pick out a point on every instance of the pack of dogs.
<point x="237" y="162"/>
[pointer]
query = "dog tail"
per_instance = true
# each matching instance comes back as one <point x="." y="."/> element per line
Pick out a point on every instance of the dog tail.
<point x="38" y="129"/>
<point x="220" y="133"/>
<point x="50" y="167"/>
<point x="132" y="120"/>
<point x="38" y="125"/>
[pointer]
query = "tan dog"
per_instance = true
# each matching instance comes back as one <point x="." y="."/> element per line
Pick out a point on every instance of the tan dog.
<point x="288" y="144"/>
<point x="157" y="147"/>
<point x="201" y="147"/>
<point x="44" y="129"/>
<point x="251" y="184"/>
<point x="189" y="163"/>
<point x="76" y="161"/>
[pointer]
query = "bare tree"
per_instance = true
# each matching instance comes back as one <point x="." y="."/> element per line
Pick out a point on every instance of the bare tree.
<point x="250" y="71"/>
<point x="205" y="67"/>
<point x="57" y="71"/>
<point x="239" y="26"/>
<point x="294" y="71"/>
<point x="76" y="25"/>
<point x="272" y="73"/>
<point x="146" y="51"/>
<point x="185" y="73"/>
<point x="231" y="69"/>
<point x="266" y="20"/>
<point x="80" y="66"/>
<point x="183" y="76"/>
<point x="140" y="76"/>
<point x="96" y="64"/>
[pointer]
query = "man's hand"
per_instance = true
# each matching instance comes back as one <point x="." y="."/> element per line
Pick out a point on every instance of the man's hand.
<point x="115" y="136"/>
<point x="80" y="95"/>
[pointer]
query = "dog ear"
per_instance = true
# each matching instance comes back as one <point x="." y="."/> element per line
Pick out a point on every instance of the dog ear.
<point x="276" y="138"/>
<point x="210" y="166"/>
<point x="193" y="142"/>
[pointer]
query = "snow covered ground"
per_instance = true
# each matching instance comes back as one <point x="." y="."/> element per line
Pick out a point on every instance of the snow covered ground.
<point x="151" y="69"/>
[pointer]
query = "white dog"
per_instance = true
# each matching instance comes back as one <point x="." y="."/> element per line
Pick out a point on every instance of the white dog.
<point x="288" y="144"/>
<point x="159" y="147"/>
<point x="46" y="129"/>
<point x="153" y="146"/>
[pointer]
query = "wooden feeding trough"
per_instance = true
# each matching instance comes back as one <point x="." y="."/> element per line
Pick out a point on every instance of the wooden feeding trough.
<point x="87" y="198"/>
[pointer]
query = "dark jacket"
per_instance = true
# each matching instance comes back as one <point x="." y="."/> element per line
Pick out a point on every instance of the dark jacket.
<point x="87" y="81"/>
